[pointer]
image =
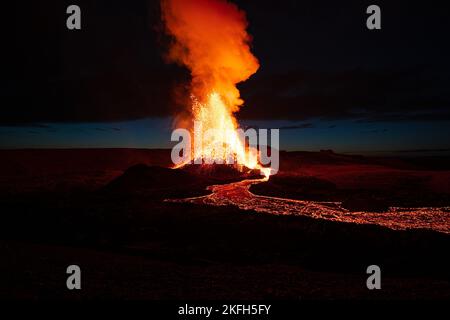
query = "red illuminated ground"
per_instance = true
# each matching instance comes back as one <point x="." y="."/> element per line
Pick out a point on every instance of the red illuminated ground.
<point x="107" y="211"/>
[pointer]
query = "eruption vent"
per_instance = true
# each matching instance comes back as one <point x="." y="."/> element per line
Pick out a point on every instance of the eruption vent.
<point x="210" y="39"/>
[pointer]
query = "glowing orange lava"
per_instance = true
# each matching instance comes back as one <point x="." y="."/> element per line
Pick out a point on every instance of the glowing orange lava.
<point x="211" y="40"/>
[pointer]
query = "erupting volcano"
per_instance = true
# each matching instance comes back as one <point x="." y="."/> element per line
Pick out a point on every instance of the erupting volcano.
<point x="210" y="39"/>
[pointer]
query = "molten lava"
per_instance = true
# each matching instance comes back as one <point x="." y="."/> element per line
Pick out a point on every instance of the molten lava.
<point x="210" y="39"/>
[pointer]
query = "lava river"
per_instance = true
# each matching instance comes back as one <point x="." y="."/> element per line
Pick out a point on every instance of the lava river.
<point x="238" y="194"/>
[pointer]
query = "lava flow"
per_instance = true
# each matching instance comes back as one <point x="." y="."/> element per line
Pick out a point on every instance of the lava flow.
<point x="210" y="39"/>
<point x="238" y="194"/>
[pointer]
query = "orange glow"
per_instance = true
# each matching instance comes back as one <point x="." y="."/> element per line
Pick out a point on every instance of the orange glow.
<point x="210" y="39"/>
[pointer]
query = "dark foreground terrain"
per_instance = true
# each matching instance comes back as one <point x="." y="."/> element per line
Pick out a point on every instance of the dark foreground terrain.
<point x="97" y="209"/>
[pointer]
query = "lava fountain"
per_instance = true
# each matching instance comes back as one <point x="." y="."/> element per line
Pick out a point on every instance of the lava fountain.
<point x="209" y="37"/>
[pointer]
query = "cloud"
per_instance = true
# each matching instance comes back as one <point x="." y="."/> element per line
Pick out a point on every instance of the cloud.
<point x="423" y="150"/>
<point x="298" y="126"/>
<point x="29" y="125"/>
<point x="107" y="129"/>
<point x="113" y="70"/>
<point x="375" y="131"/>
<point x="368" y="95"/>
<point x="441" y="115"/>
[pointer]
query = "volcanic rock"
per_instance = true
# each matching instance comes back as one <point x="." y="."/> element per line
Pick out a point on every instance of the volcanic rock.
<point x="159" y="182"/>
<point x="223" y="172"/>
<point x="297" y="187"/>
<point x="367" y="203"/>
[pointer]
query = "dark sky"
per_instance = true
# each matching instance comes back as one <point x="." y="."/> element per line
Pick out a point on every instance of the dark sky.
<point x="320" y="66"/>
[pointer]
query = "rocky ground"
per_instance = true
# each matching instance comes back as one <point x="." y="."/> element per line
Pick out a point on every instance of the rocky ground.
<point x="133" y="245"/>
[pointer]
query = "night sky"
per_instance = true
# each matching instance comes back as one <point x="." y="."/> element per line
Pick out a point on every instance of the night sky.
<point x="325" y="80"/>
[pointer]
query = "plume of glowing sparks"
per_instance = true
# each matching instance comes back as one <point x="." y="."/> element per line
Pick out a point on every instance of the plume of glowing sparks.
<point x="210" y="39"/>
